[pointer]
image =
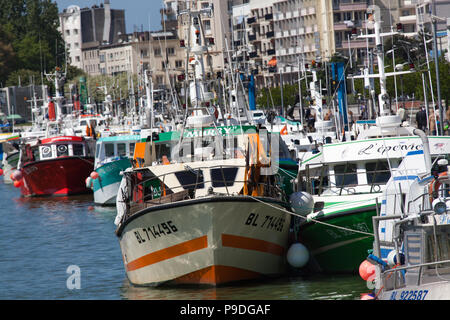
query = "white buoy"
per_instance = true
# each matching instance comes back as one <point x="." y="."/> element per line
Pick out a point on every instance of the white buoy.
<point x="297" y="255"/>
<point x="392" y="258"/>
<point x="88" y="182"/>
<point x="302" y="203"/>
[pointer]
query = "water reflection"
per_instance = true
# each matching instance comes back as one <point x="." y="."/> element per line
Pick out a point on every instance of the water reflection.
<point x="348" y="287"/>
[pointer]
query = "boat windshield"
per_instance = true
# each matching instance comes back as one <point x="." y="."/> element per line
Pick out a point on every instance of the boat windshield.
<point x="57" y="150"/>
<point x="111" y="151"/>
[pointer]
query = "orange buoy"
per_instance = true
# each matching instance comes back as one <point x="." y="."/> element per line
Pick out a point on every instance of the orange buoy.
<point x="1" y="172"/>
<point x="18" y="183"/>
<point x="94" y="175"/>
<point x="366" y="269"/>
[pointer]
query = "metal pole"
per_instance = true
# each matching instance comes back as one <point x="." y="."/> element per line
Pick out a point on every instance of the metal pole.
<point x="436" y="65"/>
<point x="281" y="87"/>
<point x="300" y="92"/>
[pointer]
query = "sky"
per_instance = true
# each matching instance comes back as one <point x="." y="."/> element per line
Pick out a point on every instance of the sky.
<point x="138" y="13"/>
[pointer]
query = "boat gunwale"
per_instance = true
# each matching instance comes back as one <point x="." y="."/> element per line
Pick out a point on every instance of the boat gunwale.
<point x="189" y="202"/>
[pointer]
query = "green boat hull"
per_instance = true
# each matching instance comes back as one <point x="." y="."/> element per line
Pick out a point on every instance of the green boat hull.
<point x="337" y="250"/>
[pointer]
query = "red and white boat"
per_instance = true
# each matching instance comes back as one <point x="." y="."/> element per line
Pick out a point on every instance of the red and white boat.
<point x="56" y="166"/>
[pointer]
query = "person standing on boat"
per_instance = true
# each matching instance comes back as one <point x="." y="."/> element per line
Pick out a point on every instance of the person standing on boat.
<point x="434" y="119"/>
<point x="421" y="119"/>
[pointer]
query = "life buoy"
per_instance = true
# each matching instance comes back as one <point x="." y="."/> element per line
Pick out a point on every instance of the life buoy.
<point x="433" y="187"/>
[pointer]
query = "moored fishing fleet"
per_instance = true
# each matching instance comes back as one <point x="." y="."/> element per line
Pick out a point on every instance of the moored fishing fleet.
<point x="217" y="192"/>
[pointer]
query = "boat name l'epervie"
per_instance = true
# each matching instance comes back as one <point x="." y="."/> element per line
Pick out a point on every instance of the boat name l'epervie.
<point x="383" y="149"/>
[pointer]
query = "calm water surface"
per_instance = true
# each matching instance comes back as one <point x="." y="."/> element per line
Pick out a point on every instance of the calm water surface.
<point x="41" y="238"/>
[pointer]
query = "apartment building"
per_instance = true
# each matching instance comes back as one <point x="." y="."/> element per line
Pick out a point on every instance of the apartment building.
<point x="159" y="52"/>
<point x="84" y="28"/>
<point x="297" y="38"/>
<point x="350" y="18"/>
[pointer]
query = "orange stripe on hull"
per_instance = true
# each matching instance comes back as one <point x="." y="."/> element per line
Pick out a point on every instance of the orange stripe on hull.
<point x="168" y="253"/>
<point x="240" y="242"/>
<point x="215" y="275"/>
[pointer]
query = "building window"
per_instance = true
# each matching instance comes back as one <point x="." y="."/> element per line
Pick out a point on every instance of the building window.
<point x="157" y="52"/>
<point x="171" y="51"/>
<point x="207" y="25"/>
<point x="178" y="64"/>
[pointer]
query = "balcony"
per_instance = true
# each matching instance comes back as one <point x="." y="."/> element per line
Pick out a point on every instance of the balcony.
<point x="408" y="19"/>
<point x="251" y="20"/>
<point x="354" y="44"/>
<point x="278" y="16"/>
<point x="349" y="5"/>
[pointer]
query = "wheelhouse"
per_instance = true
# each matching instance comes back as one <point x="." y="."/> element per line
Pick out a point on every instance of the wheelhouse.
<point x="54" y="148"/>
<point x="115" y="148"/>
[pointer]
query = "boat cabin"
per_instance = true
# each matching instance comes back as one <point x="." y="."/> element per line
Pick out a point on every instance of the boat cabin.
<point x="114" y="148"/>
<point x="54" y="148"/>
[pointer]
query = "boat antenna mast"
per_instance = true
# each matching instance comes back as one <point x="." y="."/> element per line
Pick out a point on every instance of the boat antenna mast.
<point x="374" y="18"/>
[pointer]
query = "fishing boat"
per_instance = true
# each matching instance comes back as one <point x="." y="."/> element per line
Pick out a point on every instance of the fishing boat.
<point x="10" y="154"/>
<point x="211" y="220"/>
<point x="348" y="179"/>
<point x="410" y="258"/>
<point x="204" y="204"/>
<point x="55" y="166"/>
<point x="9" y="162"/>
<point x="113" y="155"/>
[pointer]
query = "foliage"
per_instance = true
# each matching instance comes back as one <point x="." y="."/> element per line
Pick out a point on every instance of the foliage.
<point x="29" y="37"/>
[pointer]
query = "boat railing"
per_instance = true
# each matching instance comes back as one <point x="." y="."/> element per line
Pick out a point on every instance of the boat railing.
<point x="399" y="282"/>
<point x="318" y="183"/>
<point x="416" y="270"/>
<point x="149" y="194"/>
<point x="426" y="198"/>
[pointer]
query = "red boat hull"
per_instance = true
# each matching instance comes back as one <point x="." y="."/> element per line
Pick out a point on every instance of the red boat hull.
<point x="57" y="177"/>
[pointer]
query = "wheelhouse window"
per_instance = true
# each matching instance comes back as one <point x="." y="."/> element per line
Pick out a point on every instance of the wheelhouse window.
<point x="377" y="172"/>
<point x="97" y="151"/>
<point x="192" y="179"/>
<point x="132" y="144"/>
<point x="109" y="150"/>
<point x="121" y="149"/>
<point x="77" y="149"/>
<point x="62" y="150"/>
<point x="162" y="149"/>
<point x="46" y="152"/>
<point x="345" y="174"/>
<point x="223" y="177"/>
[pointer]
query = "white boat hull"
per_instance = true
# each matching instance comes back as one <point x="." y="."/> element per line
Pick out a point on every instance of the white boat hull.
<point x="205" y="241"/>
<point x="7" y="170"/>
<point x="431" y="291"/>
<point x="107" y="194"/>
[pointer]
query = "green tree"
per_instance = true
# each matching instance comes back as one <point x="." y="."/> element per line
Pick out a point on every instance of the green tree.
<point x="29" y="36"/>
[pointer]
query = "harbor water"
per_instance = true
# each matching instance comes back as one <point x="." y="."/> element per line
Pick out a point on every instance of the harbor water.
<point x="46" y="242"/>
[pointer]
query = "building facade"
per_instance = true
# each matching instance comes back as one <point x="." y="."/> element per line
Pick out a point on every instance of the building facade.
<point x="85" y="28"/>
